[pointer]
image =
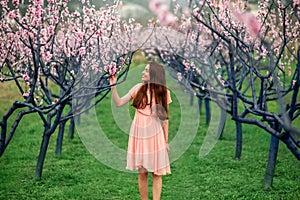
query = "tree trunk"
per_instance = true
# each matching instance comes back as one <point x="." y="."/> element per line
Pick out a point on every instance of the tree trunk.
<point x="239" y="140"/>
<point x="60" y="138"/>
<point x="2" y="137"/>
<point x="222" y="123"/>
<point x="48" y="131"/>
<point x="207" y="111"/>
<point x="274" y="143"/>
<point x="42" y="156"/>
<point x="71" y="129"/>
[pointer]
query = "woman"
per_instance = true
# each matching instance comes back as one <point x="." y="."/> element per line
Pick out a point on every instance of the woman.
<point x="148" y="140"/>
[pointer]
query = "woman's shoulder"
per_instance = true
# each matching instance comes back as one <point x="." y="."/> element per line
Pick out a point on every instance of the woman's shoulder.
<point x="134" y="89"/>
<point x="139" y="84"/>
<point x="136" y="86"/>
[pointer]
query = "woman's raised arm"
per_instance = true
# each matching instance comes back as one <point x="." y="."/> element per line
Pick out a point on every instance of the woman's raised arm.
<point x="119" y="101"/>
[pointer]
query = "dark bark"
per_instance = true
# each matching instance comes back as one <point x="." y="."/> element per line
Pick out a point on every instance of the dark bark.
<point x="286" y="138"/>
<point x="207" y="111"/>
<point x="42" y="155"/>
<point x="239" y="140"/>
<point x="60" y="137"/>
<point x="232" y="74"/>
<point x="4" y="139"/>
<point x="222" y="123"/>
<point x="273" y="151"/>
<point x="71" y="128"/>
<point x="49" y="130"/>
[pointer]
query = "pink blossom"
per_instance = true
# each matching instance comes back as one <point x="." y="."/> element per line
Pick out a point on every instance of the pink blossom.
<point x="253" y="25"/>
<point x="112" y="69"/>
<point x="92" y="27"/>
<point x="95" y="68"/>
<point x="26" y="77"/>
<point x="11" y="15"/>
<point x="196" y="11"/>
<point x="167" y="19"/>
<point x="296" y="3"/>
<point x="3" y="55"/>
<point x="226" y="33"/>
<point x="162" y="11"/>
<point x="76" y="14"/>
<point x="251" y="22"/>
<point x="51" y="30"/>
<point x="39" y="2"/>
<point x="187" y="11"/>
<point x="155" y="4"/>
<point x="79" y="35"/>
<point x="82" y="51"/>
<point x="15" y="2"/>
<point x="101" y="22"/>
<point x="17" y="13"/>
<point x="4" y="4"/>
<point x="26" y="94"/>
<point x="264" y="52"/>
<point x="55" y="20"/>
<point x="186" y="66"/>
<point x="73" y="53"/>
<point x="98" y="33"/>
<point x="24" y="20"/>
<point x="38" y="12"/>
<point x="106" y="67"/>
<point x="294" y="82"/>
<point x="122" y="60"/>
<point x="48" y="56"/>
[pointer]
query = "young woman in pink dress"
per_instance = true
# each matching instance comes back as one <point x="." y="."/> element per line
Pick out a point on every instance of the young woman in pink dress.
<point x="148" y="139"/>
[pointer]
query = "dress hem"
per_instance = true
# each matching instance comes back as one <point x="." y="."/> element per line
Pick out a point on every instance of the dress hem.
<point x="152" y="171"/>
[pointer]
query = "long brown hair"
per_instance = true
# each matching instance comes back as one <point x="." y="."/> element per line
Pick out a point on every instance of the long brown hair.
<point x="158" y="90"/>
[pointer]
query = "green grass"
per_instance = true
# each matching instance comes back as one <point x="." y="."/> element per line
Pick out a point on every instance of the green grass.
<point x="79" y="175"/>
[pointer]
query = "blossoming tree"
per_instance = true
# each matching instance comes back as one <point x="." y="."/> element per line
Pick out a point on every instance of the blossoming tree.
<point x="60" y="61"/>
<point x="251" y="61"/>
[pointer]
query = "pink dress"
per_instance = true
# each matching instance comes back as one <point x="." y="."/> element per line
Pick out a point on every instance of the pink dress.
<point x="146" y="145"/>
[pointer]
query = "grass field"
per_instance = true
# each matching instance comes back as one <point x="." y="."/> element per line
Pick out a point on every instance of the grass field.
<point x="77" y="174"/>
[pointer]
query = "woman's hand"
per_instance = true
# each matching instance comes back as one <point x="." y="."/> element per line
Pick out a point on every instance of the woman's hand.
<point x="113" y="79"/>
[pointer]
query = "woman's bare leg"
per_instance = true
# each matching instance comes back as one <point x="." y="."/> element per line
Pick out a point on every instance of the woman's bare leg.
<point x="143" y="183"/>
<point x="156" y="187"/>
